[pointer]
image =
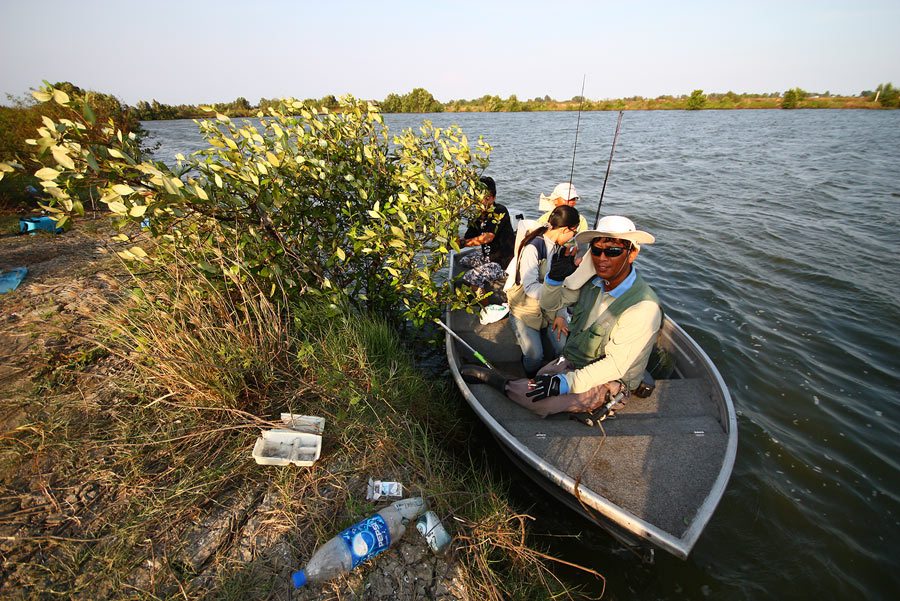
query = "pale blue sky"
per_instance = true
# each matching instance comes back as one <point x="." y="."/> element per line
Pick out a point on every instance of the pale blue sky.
<point x="214" y="51"/>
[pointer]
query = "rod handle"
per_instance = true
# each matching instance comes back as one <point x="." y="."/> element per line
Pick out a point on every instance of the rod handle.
<point x="483" y="360"/>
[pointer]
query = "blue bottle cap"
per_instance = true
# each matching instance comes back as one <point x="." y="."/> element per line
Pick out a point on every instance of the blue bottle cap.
<point x="299" y="579"/>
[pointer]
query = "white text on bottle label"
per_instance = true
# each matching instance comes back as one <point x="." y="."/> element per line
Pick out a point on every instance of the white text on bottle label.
<point x="367" y="539"/>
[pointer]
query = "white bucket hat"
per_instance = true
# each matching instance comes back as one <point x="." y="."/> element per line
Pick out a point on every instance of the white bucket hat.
<point x="616" y="226"/>
<point x="564" y="190"/>
<point x="611" y="226"/>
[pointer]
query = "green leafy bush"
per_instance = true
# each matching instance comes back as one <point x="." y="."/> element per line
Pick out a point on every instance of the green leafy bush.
<point x="888" y="95"/>
<point x="697" y="101"/>
<point x="793" y="98"/>
<point x="419" y="100"/>
<point x="319" y="203"/>
<point x="19" y="122"/>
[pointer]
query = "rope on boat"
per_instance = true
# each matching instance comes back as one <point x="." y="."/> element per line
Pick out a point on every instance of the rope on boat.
<point x="589" y="510"/>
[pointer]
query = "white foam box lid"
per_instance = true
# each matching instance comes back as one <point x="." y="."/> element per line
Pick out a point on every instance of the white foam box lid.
<point x="304" y="423"/>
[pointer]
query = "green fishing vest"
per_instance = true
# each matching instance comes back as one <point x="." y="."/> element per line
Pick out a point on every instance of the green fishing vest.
<point x="584" y="346"/>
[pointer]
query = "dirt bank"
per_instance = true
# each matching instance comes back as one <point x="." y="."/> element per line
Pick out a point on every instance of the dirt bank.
<point x="67" y="522"/>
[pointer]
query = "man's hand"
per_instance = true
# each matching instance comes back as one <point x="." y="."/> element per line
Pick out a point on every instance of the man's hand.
<point x="597" y="396"/>
<point x="560" y="326"/>
<point x="542" y="387"/>
<point x="562" y="265"/>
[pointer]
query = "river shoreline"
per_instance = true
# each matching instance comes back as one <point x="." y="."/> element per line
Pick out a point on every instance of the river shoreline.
<point x="852" y="104"/>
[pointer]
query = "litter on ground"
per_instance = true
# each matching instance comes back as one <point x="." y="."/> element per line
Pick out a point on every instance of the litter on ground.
<point x="32" y="225"/>
<point x="379" y="488"/>
<point x="299" y="442"/>
<point x="11" y="278"/>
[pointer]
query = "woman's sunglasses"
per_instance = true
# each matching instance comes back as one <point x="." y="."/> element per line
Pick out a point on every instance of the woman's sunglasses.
<point x="611" y="252"/>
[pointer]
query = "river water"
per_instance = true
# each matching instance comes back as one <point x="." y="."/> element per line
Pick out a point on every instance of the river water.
<point x="776" y="232"/>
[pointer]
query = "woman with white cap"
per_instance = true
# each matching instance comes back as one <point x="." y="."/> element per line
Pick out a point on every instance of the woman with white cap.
<point x="563" y="194"/>
<point x="523" y="290"/>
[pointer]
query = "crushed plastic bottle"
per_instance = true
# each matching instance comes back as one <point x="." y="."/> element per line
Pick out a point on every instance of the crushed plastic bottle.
<point x="437" y="537"/>
<point x="360" y="542"/>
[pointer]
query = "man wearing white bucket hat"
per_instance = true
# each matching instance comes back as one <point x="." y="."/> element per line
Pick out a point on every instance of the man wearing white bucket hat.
<point x="615" y="319"/>
<point x="563" y="194"/>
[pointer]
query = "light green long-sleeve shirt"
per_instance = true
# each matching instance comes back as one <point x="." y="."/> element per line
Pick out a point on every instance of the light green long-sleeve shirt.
<point x="604" y="344"/>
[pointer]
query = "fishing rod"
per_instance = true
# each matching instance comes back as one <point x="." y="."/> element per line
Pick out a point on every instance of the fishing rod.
<point x="608" y="165"/>
<point x="577" y="126"/>
<point x="465" y="344"/>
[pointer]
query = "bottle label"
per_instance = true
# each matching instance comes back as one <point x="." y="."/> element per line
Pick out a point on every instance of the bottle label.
<point x="367" y="539"/>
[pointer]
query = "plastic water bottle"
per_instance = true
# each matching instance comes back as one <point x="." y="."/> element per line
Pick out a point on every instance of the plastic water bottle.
<point x="360" y="542"/>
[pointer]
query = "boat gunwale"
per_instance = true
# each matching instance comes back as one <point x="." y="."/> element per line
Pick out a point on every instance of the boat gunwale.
<point x="679" y="546"/>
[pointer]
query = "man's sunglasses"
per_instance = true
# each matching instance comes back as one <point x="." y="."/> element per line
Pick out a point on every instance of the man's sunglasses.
<point x="611" y="252"/>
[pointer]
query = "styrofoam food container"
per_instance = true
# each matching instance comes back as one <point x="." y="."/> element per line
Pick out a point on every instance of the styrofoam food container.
<point x="281" y="447"/>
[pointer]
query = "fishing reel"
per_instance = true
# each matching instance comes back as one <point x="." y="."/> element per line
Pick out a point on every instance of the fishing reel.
<point x="604" y="411"/>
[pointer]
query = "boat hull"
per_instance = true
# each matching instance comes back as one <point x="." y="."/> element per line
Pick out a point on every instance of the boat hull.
<point x="652" y="476"/>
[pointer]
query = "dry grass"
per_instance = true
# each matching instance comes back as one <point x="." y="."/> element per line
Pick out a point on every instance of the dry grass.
<point x="500" y="538"/>
<point x="130" y="476"/>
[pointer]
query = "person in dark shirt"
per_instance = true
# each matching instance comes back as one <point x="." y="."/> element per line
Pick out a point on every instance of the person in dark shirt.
<point x="492" y="231"/>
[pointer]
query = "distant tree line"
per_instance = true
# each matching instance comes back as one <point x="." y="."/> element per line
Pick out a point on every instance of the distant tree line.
<point x="21" y="117"/>
<point x="420" y="100"/>
<point x="239" y="107"/>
